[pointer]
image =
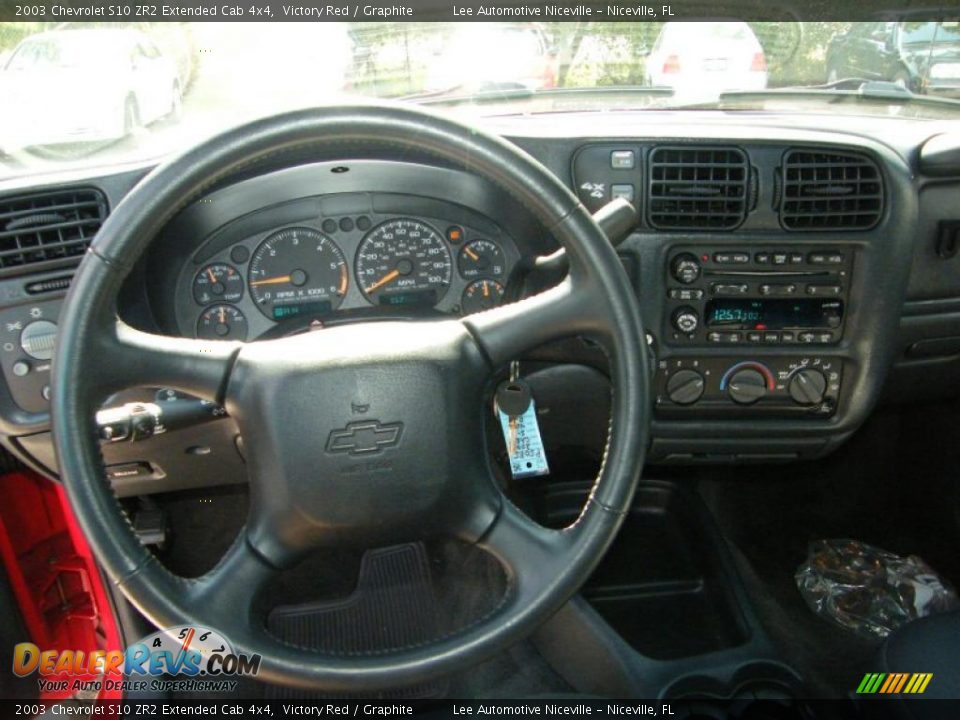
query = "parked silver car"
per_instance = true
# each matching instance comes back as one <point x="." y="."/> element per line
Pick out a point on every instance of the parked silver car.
<point x="74" y="86"/>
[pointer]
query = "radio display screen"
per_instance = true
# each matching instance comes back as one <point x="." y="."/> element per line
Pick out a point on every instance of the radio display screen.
<point x="771" y="314"/>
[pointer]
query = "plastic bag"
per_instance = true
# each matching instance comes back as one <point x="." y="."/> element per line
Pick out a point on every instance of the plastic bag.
<point x="869" y="590"/>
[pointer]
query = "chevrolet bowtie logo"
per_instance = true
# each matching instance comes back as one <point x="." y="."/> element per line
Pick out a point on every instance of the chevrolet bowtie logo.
<point x="364" y="438"/>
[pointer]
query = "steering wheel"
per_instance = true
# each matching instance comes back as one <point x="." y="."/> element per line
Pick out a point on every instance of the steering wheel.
<point x="429" y="382"/>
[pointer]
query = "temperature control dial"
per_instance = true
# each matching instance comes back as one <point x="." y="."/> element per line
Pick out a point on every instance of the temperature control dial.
<point x="808" y="387"/>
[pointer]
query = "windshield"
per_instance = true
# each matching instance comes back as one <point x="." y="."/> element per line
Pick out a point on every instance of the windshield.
<point x="83" y="95"/>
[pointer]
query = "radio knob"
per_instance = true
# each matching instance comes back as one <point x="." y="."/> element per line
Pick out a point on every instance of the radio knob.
<point x="746" y="386"/>
<point x="685" y="268"/>
<point x="808" y="387"/>
<point x="685" y="387"/>
<point x="37" y="339"/>
<point x="685" y="319"/>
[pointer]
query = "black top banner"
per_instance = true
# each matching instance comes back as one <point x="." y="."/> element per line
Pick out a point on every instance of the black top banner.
<point x="470" y="10"/>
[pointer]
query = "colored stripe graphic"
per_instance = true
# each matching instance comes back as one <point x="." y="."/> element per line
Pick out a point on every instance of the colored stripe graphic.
<point x="894" y="683"/>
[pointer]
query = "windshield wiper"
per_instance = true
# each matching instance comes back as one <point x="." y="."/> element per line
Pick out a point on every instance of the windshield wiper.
<point x="509" y="94"/>
<point x="846" y="90"/>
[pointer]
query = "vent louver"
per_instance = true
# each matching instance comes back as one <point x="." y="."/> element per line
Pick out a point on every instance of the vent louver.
<point x="46" y="226"/>
<point x="697" y="188"/>
<point x="828" y="190"/>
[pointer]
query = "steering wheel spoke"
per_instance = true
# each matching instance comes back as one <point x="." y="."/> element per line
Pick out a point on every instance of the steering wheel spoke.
<point x="572" y="307"/>
<point x="532" y="554"/>
<point x="132" y="358"/>
<point x="235" y="584"/>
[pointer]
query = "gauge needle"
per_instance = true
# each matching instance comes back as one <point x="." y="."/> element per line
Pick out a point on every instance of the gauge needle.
<point x="471" y="254"/>
<point x="223" y="316"/>
<point x="271" y="281"/>
<point x="213" y="278"/>
<point x="343" y="280"/>
<point x="486" y="290"/>
<point x="392" y="275"/>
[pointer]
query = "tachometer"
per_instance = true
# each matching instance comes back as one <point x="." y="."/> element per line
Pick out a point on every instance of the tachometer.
<point x="404" y="262"/>
<point x="298" y="271"/>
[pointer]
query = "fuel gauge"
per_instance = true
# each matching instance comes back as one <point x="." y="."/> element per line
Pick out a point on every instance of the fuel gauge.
<point x="219" y="282"/>
<point x="222" y="322"/>
<point x="480" y="258"/>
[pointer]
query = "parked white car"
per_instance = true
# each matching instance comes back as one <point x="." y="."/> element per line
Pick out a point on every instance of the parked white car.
<point x="91" y="85"/>
<point x="515" y="56"/>
<point x="700" y="60"/>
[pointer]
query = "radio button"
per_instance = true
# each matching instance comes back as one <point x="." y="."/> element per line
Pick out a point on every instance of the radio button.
<point x="724" y="337"/>
<point x="729" y="289"/>
<point x="685" y="294"/>
<point x="685" y="268"/>
<point x="755" y="337"/>
<point x="780" y="258"/>
<point x="821" y="290"/>
<point x="778" y="289"/>
<point x="771" y="337"/>
<point x="796" y="258"/>
<point x="685" y="319"/>
<point x="823" y="258"/>
<point x="731" y="258"/>
<point x="786" y="337"/>
<point x="762" y="258"/>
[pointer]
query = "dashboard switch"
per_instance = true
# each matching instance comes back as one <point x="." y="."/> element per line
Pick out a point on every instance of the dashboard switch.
<point x="746" y="386"/>
<point x="37" y="339"/>
<point x="622" y="159"/>
<point x="685" y="387"/>
<point x="808" y="387"/>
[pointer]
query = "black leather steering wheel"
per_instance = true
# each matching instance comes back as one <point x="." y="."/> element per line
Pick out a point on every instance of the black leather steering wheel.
<point x="431" y="379"/>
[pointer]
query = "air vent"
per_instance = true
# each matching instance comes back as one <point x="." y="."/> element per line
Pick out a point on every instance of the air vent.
<point x="830" y="191"/>
<point x="48" y="226"/>
<point x="697" y="188"/>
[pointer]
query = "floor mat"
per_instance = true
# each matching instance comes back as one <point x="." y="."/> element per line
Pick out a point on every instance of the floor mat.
<point x="394" y="606"/>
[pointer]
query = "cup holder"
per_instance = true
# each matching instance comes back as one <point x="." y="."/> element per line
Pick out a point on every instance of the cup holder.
<point x="757" y="682"/>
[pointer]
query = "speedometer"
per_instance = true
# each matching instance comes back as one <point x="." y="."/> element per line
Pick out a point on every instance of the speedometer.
<point x="298" y="271"/>
<point x="404" y="262"/>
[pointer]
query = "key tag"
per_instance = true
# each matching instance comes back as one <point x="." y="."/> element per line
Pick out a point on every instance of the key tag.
<point x="517" y="412"/>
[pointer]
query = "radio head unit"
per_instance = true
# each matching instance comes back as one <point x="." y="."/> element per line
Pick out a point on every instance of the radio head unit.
<point x="790" y="296"/>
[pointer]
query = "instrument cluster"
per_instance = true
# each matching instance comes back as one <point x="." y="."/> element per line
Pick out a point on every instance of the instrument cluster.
<point x="345" y="268"/>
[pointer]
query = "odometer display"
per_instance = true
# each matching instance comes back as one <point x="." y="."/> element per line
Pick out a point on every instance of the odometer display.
<point x="403" y="258"/>
<point x="297" y="266"/>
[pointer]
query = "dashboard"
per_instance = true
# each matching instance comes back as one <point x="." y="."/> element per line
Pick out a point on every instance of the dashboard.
<point x="792" y="272"/>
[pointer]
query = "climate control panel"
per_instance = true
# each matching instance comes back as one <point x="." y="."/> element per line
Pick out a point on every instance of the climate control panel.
<point x="782" y="386"/>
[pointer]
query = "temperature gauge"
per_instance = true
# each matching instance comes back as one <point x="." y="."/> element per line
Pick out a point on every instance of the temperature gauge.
<point x="481" y="258"/>
<point x="217" y="283"/>
<point x="222" y="322"/>
<point x="481" y="295"/>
